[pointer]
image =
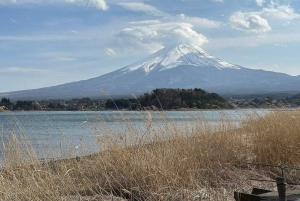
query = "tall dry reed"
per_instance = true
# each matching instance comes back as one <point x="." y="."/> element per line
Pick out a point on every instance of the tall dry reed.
<point x="168" y="161"/>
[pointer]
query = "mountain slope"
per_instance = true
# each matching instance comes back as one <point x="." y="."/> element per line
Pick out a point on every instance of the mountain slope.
<point x="182" y="55"/>
<point x="184" y="66"/>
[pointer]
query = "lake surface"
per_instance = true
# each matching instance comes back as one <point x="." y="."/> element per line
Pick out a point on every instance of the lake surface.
<point x="68" y="134"/>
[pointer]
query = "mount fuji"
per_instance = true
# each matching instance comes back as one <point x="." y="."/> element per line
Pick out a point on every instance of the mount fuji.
<point x="183" y="66"/>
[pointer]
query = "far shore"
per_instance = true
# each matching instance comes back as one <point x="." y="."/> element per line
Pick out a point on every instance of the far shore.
<point x="128" y="110"/>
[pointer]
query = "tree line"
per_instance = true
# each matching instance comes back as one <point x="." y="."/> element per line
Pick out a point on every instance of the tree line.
<point x="53" y="104"/>
<point x="158" y="99"/>
<point x="168" y="99"/>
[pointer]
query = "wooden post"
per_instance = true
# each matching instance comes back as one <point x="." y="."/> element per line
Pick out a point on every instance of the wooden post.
<point x="281" y="186"/>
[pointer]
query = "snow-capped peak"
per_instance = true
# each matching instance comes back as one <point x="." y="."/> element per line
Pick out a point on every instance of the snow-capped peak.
<point x="181" y="55"/>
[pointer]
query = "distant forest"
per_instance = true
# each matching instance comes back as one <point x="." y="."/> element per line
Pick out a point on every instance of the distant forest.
<point x="158" y="99"/>
<point x="168" y="99"/>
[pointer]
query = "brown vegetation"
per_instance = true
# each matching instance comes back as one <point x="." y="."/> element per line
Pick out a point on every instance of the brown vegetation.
<point x="202" y="161"/>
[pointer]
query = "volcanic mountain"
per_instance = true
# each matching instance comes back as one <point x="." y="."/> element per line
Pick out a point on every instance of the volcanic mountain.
<point x="183" y="66"/>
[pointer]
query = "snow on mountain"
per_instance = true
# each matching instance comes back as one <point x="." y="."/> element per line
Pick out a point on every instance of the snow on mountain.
<point x="181" y="55"/>
<point x="184" y="66"/>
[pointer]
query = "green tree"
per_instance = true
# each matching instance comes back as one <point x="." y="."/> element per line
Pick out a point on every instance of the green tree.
<point x="6" y="102"/>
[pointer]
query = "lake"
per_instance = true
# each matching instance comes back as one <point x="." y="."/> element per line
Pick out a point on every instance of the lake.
<point x="68" y="134"/>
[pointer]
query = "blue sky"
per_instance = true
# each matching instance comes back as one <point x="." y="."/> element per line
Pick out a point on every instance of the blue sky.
<point x="46" y="43"/>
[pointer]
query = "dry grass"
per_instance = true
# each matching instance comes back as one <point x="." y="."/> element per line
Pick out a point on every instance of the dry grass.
<point x="202" y="161"/>
<point x="276" y="138"/>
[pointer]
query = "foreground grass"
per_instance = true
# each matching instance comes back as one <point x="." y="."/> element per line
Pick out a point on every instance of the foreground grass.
<point x="202" y="161"/>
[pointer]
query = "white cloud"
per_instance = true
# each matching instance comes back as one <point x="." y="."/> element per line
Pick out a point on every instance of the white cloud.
<point x="99" y="4"/>
<point x="110" y="52"/>
<point x="199" y="22"/>
<point x="217" y="0"/>
<point x="154" y="37"/>
<point x="165" y="17"/>
<point x="185" y="34"/>
<point x="145" y="22"/>
<point x="249" y="22"/>
<point x="283" y="12"/>
<point x="258" y="22"/>
<point x="141" y="7"/>
<point x="260" y="2"/>
<point x="153" y="34"/>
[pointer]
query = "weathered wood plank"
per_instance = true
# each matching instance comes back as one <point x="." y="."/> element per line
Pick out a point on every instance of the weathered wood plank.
<point x="258" y="191"/>
<point x="245" y="197"/>
<point x="270" y="196"/>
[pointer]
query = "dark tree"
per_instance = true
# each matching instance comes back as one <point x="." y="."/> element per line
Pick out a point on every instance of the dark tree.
<point x="173" y="99"/>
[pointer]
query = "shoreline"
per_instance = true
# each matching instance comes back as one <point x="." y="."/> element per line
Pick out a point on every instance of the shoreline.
<point x="179" y="110"/>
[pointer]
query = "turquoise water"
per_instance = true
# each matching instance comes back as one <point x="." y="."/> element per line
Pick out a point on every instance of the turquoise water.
<point x="68" y="134"/>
